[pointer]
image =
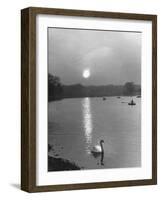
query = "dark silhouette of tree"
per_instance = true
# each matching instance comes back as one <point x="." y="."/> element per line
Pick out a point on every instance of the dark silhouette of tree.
<point x="129" y="88"/>
<point x="55" y="89"/>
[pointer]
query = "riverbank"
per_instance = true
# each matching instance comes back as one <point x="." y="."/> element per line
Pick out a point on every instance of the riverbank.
<point x="59" y="164"/>
<point x="121" y="96"/>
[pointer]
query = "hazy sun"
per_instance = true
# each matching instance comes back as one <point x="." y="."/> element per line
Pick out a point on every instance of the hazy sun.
<point x="86" y="73"/>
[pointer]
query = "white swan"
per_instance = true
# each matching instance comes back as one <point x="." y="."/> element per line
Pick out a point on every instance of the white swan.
<point x="98" y="149"/>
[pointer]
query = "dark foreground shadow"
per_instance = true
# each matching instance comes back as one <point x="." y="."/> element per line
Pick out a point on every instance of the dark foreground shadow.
<point x="59" y="164"/>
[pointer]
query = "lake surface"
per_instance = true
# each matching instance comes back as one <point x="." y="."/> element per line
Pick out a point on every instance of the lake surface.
<point x="76" y="125"/>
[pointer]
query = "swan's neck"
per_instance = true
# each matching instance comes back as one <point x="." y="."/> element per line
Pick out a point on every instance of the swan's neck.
<point x="102" y="147"/>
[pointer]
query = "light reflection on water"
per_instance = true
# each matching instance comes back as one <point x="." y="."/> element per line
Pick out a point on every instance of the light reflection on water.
<point x="76" y="126"/>
<point x="87" y="122"/>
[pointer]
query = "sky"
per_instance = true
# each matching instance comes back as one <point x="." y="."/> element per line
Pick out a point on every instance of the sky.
<point x="111" y="57"/>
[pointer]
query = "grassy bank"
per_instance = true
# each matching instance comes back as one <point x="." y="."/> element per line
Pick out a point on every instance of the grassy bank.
<point x="59" y="164"/>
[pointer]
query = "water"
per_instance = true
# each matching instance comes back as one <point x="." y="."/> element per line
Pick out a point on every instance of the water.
<point x="76" y="125"/>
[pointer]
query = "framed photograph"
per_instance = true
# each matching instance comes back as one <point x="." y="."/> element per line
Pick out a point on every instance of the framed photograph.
<point x="89" y="99"/>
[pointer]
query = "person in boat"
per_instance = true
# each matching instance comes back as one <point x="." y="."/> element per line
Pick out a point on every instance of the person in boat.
<point x="132" y="103"/>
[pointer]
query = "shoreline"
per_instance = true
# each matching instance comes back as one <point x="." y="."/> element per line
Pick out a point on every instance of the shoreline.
<point x="96" y="97"/>
<point x="60" y="164"/>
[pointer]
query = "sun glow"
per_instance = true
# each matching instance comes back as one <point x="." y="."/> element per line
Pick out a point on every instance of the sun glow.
<point x="86" y="73"/>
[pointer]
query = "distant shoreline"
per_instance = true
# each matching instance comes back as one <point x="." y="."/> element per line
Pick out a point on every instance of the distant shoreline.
<point x="49" y="100"/>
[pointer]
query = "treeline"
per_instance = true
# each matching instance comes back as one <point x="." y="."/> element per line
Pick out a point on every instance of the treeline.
<point x="55" y="88"/>
<point x="58" y="91"/>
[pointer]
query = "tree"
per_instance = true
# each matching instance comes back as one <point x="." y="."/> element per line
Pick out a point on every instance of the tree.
<point x="129" y="88"/>
<point x="55" y="88"/>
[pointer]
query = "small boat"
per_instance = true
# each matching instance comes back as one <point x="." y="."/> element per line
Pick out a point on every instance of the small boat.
<point x="132" y="103"/>
<point x="118" y="97"/>
<point x="104" y="98"/>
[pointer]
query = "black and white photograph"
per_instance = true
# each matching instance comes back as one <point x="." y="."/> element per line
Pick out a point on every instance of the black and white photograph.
<point x="94" y="99"/>
<point x="89" y="99"/>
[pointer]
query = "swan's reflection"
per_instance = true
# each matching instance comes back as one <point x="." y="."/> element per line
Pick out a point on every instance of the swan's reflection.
<point x="87" y="122"/>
